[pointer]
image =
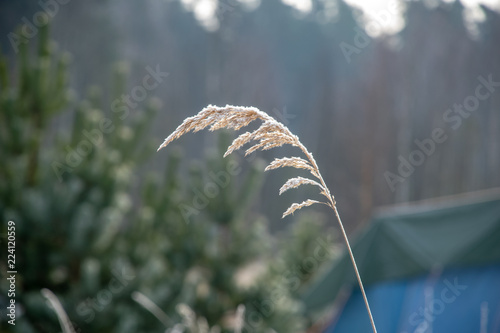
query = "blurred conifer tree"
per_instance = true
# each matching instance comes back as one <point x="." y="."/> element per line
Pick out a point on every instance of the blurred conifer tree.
<point x="79" y="233"/>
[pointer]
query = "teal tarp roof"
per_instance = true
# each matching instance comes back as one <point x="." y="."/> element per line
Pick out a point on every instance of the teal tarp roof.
<point x="412" y="240"/>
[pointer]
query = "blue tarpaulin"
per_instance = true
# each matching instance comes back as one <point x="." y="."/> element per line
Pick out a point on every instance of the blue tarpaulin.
<point x="458" y="300"/>
<point x="432" y="268"/>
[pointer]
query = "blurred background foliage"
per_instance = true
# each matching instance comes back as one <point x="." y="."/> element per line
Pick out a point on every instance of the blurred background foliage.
<point x="357" y="114"/>
<point x="91" y="232"/>
<point x="114" y="214"/>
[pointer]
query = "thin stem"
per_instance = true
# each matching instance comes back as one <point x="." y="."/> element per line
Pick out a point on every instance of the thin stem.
<point x="334" y="207"/>
<point x="152" y="307"/>
<point x="59" y="310"/>
<point x="355" y="269"/>
<point x="271" y="134"/>
<point x="240" y="318"/>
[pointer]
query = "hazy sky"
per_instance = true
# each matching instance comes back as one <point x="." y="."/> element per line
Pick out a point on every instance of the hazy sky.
<point x="379" y="15"/>
<point x="374" y="9"/>
<point x="371" y="5"/>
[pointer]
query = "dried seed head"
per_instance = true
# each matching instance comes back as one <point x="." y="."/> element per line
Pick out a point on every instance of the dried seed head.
<point x="229" y="116"/>
<point x="270" y="134"/>
<point x="239" y="142"/>
<point x="298" y="181"/>
<point x="297" y="206"/>
<point x="294" y="162"/>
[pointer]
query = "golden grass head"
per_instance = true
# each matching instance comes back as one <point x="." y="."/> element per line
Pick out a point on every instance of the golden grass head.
<point x="270" y="134"/>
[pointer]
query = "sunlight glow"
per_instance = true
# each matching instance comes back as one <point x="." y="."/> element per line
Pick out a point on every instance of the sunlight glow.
<point x="378" y="16"/>
<point x="388" y="14"/>
<point x="301" y="5"/>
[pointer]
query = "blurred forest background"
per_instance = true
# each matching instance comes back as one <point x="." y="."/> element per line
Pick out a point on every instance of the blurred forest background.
<point x="356" y="116"/>
<point x="357" y="95"/>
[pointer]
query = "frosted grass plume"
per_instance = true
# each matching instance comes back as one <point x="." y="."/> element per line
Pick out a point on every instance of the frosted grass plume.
<point x="271" y="134"/>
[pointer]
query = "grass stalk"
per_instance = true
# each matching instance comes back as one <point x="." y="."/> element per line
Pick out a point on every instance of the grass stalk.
<point x="333" y="205"/>
<point x="63" y="318"/>
<point x="271" y="134"/>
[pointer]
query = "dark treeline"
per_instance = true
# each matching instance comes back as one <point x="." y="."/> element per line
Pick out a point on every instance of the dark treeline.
<point x="390" y="119"/>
